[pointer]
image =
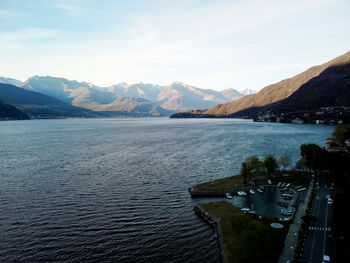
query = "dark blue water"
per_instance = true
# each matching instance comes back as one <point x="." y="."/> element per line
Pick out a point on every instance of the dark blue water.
<point x="116" y="189"/>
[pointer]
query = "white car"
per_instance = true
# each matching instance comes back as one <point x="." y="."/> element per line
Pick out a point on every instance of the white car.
<point x="330" y="201"/>
<point x="326" y="259"/>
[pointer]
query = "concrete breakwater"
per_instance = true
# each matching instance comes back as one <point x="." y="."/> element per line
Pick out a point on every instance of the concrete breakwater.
<point x="197" y="193"/>
<point x="212" y="221"/>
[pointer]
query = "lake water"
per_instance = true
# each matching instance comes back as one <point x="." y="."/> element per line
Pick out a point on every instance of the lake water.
<point x="89" y="190"/>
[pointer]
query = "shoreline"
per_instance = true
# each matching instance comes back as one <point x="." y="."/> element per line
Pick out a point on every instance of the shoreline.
<point x="214" y="223"/>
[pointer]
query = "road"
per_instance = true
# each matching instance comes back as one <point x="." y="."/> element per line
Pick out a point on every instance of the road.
<point x="319" y="240"/>
<point x="292" y="236"/>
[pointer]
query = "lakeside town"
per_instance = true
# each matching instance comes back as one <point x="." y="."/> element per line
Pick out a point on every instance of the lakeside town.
<point x="322" y="115"/>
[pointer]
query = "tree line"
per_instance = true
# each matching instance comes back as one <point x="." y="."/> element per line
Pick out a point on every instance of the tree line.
<point x="314" y="159"/>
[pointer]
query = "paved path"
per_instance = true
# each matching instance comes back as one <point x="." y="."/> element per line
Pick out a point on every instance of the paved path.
<point x="292" y="236"/>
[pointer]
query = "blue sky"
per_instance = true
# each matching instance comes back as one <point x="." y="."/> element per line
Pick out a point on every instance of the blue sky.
<point x="209" y="44"/>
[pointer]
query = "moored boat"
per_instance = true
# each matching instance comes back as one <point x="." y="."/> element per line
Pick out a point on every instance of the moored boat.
<point x="301" y="189"/>
<point x="283" y="204"/>
<point x="228" y="195"/>
<point x="287" y="196"/>
<point x="259" y="190"/>
<point x="241" y="193"/>
<point x="251" y="191"/>
<point x="286" y="212"/>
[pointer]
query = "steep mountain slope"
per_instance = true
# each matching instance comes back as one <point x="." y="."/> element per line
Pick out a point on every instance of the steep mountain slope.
<point x="315" y="84"/>
<point x="37" y="105"/>
<point x="330" y="88"/>
<point x="9" y="112"/>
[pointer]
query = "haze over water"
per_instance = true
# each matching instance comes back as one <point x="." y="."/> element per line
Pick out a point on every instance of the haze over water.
<point x="116" y="189"/>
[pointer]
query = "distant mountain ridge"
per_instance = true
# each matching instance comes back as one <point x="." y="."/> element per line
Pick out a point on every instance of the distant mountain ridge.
<point x="37" y="105"/>
<point x="323" y="85"/>
<point x="162" y="100"/>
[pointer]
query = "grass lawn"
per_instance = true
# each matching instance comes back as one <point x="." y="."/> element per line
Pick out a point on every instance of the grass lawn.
<point x="247" y="238"/>
<point x="228" y="183"/>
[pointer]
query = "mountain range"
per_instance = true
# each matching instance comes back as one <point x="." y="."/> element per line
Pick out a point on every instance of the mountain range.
<point x="325" y="85"/>
<point x="174" y="97"/>
<point x="137" y="100"/>
<point x="319" y="86"/>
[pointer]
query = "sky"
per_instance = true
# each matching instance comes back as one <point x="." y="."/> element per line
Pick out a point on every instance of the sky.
<point x="240" y="44"/>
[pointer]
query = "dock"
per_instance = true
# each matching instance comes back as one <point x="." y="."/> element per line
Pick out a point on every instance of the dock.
<point x="206" y="217"/>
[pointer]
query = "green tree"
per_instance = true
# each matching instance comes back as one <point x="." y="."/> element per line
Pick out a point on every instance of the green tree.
<point x="315" y="157"/>
<point x="341" y="133"/>
<point x="254" y="165"/>
<point x="245" y="173"/>
<point x="285" y="161"/>
<point x="270" y="164"/>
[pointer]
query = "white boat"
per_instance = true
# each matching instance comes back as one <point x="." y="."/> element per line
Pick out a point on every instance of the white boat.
<point x="245" y="209"/>
<point x="279" y="184"/>
<point x="301" y="189"/>
<point x="228" y="195"/>
<point x="269" y="181"/>
<point x="252" y="191"/>
<point x="287" y="196"/>
<point x="288" y="185"/>
<point x="241" y="193"/>
<point x="259" y="190"/>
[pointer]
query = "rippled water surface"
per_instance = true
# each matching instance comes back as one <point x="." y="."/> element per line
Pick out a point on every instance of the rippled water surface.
<point x="116" y="189"/>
